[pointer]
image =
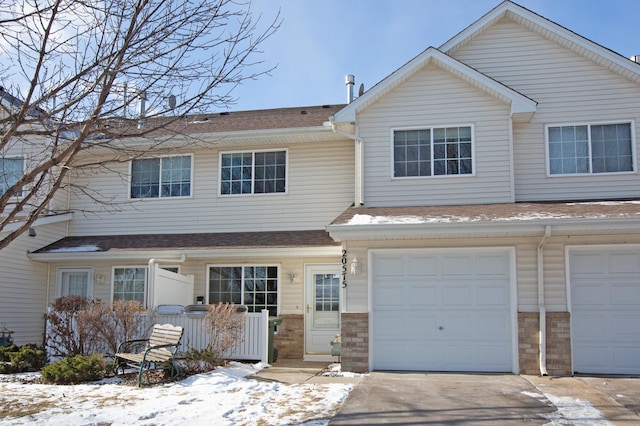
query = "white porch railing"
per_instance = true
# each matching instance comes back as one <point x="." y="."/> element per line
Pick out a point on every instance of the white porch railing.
<point x="254" y="344"/>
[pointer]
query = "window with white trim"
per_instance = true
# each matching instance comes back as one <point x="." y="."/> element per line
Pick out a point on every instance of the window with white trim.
<point x="161" y="177"/>
<point x="253" y="286"/>
<point x="260" y="172"/>
<point x="75" y="282"/>
<point x="590" y="148"/>
<point x="435" y="151"/>
<point x="130" y="283"/>
<point x="11" y="171"/>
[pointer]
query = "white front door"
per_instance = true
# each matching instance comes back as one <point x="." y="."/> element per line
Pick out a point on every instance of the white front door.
<point x="322" y="308"/>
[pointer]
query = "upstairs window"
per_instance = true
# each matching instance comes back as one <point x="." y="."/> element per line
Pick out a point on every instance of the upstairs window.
<point x="161" y="177"/>
<point x="433" y="151"/>
<point x="11" y="171"/>
<point x="263" y="172"/>
<point x="584" y="149"/>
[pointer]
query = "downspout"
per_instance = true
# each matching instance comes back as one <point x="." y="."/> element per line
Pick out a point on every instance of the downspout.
<point x="541" y="305"/>
<point x="358" y="199"/>
<point x="151" y="276"/>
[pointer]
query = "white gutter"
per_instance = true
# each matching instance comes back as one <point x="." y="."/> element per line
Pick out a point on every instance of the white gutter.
<point x="151" y="275"/>
<point x="541" y="306"/>
<point x="358" y="199"/>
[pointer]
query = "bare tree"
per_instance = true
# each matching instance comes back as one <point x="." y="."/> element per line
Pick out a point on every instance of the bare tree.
<point x="78" y="68"/>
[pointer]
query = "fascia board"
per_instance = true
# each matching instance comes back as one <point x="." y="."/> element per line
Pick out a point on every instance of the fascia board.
<point x="117" y="255"/>
<point x="41" y="221"/>
<point x="368" y="232"/>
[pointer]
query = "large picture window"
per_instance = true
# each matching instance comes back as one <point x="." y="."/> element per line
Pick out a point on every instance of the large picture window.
<point x="432" y="152"/>
<point x="261" y="172"/>
<point x="161" y="177"/>
<point x="581" y="149"/>
<point x="129" y="283"/>
<point x="253" y="286"/>
<point x="11" y="170"/>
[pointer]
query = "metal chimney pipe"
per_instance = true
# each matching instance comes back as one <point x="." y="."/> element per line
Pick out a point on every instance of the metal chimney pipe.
<point x="142" y="111"/>
<point x="349" y="80"/>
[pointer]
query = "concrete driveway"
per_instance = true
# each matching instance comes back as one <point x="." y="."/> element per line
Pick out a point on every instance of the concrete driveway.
<point x="412" y="398"/>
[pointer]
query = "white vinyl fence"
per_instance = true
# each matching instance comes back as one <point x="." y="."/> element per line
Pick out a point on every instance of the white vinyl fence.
<point x="254" y="345"/>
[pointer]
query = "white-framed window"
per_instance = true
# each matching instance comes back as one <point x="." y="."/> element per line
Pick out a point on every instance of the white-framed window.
<point x="161" y="177"/>
<point x="433" y="151"/>
<point x="129" y="283"/>
<point x="255" y="286"/>
<point x="11" y="171"/>
<point x="74" y="282"/>
<point x="590" y="148"/>
<point x="253" y="172"/>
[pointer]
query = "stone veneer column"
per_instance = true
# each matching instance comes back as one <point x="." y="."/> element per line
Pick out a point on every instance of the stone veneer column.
<point x="559" y="343"/>
<point x="290" y="338"/>
<point x="528" y="343"/>
<point x="355" y="342"/>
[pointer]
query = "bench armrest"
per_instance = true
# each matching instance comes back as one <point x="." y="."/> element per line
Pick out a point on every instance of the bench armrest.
<point x="129" y="342"/>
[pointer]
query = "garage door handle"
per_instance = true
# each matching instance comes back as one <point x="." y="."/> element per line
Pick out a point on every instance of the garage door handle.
<point x="441" y="328"/>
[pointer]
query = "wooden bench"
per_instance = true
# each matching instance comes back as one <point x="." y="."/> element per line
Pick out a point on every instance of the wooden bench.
<point x="157" y="354"/>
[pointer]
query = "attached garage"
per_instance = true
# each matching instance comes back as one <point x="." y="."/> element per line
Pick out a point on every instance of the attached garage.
<point x="605" y="309"/>
<point x="443" y="310"/>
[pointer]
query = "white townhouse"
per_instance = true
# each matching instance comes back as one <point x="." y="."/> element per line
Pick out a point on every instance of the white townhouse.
<point x="476" y="210"/>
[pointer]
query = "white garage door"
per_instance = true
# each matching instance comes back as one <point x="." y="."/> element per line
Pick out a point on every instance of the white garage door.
<point x="442" y="311"/>
<point x="605" y="310"/>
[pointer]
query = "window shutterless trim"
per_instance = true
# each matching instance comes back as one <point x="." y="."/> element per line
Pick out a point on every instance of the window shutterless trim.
<point x="208" y="267"/>
<point x="24" y="168"/>
<point x="589" y="124"/>
<point x="431" y="128"/>
<point x="146" y="281"/>
<point x="253" y="152"/>
<point x="160" y="197"/>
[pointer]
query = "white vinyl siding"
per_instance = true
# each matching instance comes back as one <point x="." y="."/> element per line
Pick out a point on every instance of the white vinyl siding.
<point x="23" y="285"/>
<point x="569" y="89"/>
<point x="435" y="98"/>
<point x="320" y="187"/>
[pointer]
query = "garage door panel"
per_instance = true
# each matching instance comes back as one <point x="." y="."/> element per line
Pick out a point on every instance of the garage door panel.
<point x="457" y="295"/>
<point x="389" y="266"/>
<point x="457" y="266"/>
<point x="605" y="310"/>
<point x="456" y="314"/>
<point x="494" y="293"/>
<point x="391" y="297"/>
<point x="422" y="295"/>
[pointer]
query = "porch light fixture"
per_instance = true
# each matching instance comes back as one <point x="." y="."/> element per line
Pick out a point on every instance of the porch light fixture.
<point x="32" y="232"/>
<point x="294" y="277"/>
<point x="356" y="268"/>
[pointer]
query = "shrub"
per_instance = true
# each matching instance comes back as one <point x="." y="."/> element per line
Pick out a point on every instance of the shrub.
<point x="63" y="339"/>
<point x="224" y="324"/>
<point x="76" y="369"/>
<point x="20" y="360"/>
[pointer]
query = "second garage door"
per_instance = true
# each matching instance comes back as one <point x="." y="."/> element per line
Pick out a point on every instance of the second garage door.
<point x="442" y="311"/>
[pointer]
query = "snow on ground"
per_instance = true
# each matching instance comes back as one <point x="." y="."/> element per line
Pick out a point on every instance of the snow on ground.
<point x="570" y="411"/>
<point x="221" y="397"/>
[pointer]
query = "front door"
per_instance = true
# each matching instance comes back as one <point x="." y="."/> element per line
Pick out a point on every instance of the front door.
<point x="322" y="308"/>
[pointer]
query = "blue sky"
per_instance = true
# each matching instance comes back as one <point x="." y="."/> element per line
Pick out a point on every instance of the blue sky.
<point x="320" y="41"/>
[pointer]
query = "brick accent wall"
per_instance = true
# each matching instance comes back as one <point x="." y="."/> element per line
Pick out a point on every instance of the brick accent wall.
<point x="559" y="343"/>
<point x="290" y="338"/>
<point x="355" y="342"/>
<point x="528" y="343"/>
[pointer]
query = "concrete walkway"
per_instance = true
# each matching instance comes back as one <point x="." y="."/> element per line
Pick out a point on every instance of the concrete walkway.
<point x="417" y="398"/>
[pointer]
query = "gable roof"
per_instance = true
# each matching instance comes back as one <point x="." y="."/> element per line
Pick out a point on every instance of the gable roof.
<point x="550" y="30"/>
<point x="522" y="107"/>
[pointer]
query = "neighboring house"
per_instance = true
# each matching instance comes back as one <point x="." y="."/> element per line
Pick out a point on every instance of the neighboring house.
<point x="477" y="210"/>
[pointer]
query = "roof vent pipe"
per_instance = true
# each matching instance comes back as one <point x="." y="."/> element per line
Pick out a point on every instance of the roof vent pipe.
<point x="635" y="58"/>
<point x="350" y="81"/>
<point x="142" y="96"/>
